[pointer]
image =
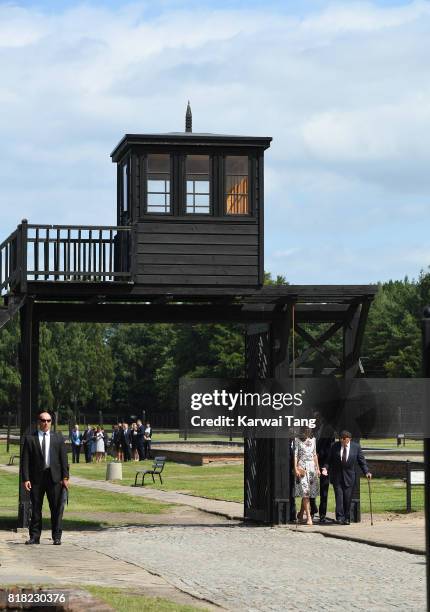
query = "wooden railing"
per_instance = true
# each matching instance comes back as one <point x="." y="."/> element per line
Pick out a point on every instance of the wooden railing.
<point x="64" y="253"/>
<point x="9" y="268"/>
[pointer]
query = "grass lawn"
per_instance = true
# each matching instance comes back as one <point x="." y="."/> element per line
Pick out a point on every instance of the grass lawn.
<point x="214" y="481"/>
<point x="125" y="601"/>
<point x="226" y="482"/>
<point x="84" y="506"/>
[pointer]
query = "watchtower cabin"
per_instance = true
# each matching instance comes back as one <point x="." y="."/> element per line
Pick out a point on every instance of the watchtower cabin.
<point x="195" y="203"/>
<point x="189" y="221"/>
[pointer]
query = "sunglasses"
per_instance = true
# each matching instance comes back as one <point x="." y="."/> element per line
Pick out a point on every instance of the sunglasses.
<point x="45" y="420"/>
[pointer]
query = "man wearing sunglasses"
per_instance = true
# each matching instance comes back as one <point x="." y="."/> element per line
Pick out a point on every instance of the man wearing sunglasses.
<point x="44" y="469"/>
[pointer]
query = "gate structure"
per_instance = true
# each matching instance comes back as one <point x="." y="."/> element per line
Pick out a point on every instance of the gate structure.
<point x="188" y="247"/>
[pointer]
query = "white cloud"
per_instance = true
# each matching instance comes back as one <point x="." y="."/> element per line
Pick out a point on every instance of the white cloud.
<point x="344" y="91"/>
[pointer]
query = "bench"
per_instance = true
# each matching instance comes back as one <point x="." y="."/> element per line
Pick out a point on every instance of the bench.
<point x="157" y="468"/>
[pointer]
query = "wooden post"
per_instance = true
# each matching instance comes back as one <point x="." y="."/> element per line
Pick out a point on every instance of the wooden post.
<point x="27" y="354"/>
<point x="8" y="431"/>
<point x="23" y="255"/>
<point x="350" y="370"/>
<point x="280" y="447"/>
<point x="425" y="327"/>
<point x="408" y="487"/>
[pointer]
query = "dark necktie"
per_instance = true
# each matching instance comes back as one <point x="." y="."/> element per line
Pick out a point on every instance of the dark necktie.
<point x="45" y="465"/>
<point x="344" y="455"/>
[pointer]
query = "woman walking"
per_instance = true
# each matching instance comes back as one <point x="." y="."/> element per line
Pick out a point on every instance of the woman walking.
<point x="307" y="472"/>
<point x="100" y="444"/>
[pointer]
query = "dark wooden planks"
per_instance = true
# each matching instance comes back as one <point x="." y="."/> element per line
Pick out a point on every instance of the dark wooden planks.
<point x="190" y="249"/>
<point x="203" y="259"/>
<point x="197" y="253"/>
<point x="178" y="280"/>
<point x="212" y="227"/>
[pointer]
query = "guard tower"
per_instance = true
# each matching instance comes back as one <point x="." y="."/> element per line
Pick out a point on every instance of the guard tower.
<point x="195" y="203"/>
<point x="190" y="211"/>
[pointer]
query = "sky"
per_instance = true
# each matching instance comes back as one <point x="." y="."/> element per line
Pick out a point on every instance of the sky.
<point x="342" y="87"/>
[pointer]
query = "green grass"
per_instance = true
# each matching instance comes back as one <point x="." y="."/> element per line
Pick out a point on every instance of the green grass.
<point x="223" y="482"/>
<point x="214" y="481"/>
<point x="391" y="444"/>
<point x="125" y="601"/>
<point x="84" y="505"/>
<point x="226" y="482"/>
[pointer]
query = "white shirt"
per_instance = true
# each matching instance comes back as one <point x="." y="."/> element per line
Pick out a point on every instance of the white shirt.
<point x="347" y="451"/>
<point x="47" y="444"/>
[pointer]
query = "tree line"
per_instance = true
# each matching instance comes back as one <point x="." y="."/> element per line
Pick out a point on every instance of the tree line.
<point x="123" y="369"/>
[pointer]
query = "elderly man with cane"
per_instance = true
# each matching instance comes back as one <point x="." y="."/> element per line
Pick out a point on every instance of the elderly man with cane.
<point x="343" y="458"/>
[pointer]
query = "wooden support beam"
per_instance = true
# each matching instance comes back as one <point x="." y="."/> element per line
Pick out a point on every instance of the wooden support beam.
<point x="315" y="344"/>
<point x="280" y="335"/>
<point x="300" y="359"/>
<point x="28" y="382"/>
<point x="150" y="313"/>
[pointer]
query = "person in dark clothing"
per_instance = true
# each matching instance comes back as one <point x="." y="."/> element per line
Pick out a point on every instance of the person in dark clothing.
<point x="341" y="464"/>
<point x="324" y="435"/>
<point x="76" y="442"/>
<point x="44" y="469"/>
<point x="140" y="442"/>
<point x="87" y="439"/>
<point x="125" y="441"/>
<point x="147" y="436"/>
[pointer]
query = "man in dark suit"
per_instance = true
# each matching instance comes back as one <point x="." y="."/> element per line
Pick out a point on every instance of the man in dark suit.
<point x="125" y="441"/>
<point x="44" y="469"/>
<point x="87" y="439"/>
<point x="324" y="442"/>
<point x="140" y="436"/>
<point x="341" y="464"/>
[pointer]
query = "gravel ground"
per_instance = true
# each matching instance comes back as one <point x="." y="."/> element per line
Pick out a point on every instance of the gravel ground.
<point x="259" y="568"/>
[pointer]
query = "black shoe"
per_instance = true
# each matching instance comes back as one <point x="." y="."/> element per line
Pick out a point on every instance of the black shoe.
<point x="57" y="542"/>
<point x="323" y="520"/>
<point x="347" y="522"/>
<point x="33" y="541"/>
<point x="342" y="522"/>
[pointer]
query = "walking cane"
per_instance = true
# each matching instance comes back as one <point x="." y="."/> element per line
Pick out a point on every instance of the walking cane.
<point x="370" y="501"/>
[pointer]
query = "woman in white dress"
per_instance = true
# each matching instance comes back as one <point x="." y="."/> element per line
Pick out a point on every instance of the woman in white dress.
<point x="100" y="444"/>
<point x="307" y="472"/>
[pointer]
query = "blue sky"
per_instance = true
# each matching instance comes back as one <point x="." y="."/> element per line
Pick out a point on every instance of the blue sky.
<point x="342" y="87"/>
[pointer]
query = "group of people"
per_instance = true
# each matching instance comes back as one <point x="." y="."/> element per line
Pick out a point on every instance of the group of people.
<point x="132" y="443"/>
<point x="125" y="444"/>
<point x="319" y="462"/>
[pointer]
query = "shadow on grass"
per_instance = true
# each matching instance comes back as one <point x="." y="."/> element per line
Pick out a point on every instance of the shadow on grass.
<point x="8" y="523"/>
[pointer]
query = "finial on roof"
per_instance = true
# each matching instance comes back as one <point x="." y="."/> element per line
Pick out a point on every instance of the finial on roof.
<point x="188" y="119"/>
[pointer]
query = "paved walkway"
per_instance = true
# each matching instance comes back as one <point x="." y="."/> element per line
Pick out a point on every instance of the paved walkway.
<point x="229" y="564"/>
<point x="399" y="532"/>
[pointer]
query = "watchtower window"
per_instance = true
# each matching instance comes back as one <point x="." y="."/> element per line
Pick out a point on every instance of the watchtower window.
<point x="236" y="185"/>
<point x="197" y="179"/>
<point x="158" y="184"/>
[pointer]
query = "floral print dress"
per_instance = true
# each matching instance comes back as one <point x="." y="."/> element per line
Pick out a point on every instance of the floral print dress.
<point x="307" y="485"/>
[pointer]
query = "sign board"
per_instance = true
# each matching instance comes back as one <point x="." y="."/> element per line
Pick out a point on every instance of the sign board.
<point x="417" y="477"/>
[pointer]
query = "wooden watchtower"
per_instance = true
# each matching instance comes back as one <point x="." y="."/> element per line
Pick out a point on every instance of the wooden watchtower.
<point x="195" y="203"/>
<point x="190" y="224"/>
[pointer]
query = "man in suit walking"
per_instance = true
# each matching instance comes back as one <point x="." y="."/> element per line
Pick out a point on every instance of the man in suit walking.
<point x="344" y="456"/>
<point x="44" y="469"/>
